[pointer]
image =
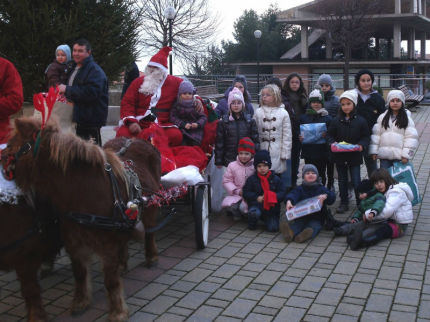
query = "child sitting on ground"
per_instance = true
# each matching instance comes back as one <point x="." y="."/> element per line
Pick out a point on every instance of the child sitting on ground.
<point x="306" y="227"/>
<point x="234" y="179"/>
<point x="186" y="117"/>
<point x="263" y="191"/>
<point x="371" y="200"/>
<point x="392" y="221"/>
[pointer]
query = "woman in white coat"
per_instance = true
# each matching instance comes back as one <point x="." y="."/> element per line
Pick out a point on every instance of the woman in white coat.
<point x="392" y="221"/>
<point x="394" y="136"/>
<point x="274" y="127"/>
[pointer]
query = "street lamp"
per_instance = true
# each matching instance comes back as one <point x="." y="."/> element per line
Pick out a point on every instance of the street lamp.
<point x="170" y="13"/>
<point x="257" y="35"/>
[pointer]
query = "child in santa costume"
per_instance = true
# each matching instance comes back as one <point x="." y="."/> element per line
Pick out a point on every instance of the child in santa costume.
<point x="149" y="99"/>
<point x="263" y="191"/>
<point x="186" y="117"/>
<point x="234" y="179"/>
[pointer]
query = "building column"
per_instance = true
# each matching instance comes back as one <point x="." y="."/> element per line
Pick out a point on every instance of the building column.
<point x="423" y="45"/>
<point x="414" y="6"/>
<point x="411" y="44"/>
<point x="304" y="42"/>
<point x="424" y="6"/>
<point x="328" y="47"/>
<point x="397" y="7"/>
<point x="377" y="49"/>
<point x="397" y="39"/>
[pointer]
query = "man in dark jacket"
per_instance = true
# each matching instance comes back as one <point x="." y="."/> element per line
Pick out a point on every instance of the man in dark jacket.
<point x="87" y="88"/>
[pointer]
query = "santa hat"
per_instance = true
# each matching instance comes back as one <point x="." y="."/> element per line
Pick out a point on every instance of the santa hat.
<point x="351" y="95"/>
<point x="395" y="93"/>
<point x="160" y="59"/>
<point x="246" y="145"/>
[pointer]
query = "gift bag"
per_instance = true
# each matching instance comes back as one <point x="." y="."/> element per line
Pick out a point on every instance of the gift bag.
<point x="405" y="173"/>
<point x="313" y="133"/>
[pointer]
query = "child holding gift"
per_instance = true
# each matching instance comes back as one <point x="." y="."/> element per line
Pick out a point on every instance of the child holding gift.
<point x="304" y="228"/>
<point x="352" y="128"/>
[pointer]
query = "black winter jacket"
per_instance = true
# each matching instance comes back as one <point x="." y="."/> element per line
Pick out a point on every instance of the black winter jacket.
<point x="331" y="103"/>
<point x="315" y="151"/>
<point x="89" y="94"/>
<point x="228" y="134"/>
<point x="354" y="131"/>
<point x="252" y="190"/>
<point x="295" y="124"/>
<point x="371" y="109"/>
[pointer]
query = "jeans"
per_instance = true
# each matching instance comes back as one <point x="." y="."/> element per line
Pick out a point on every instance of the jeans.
<point x="371" y="164"/>
<point x="269" y="217"/>
<point x="354" y="171"/>
<point x="300" y="224"/>
<point x="385" y="163"/>
<point x="295" y="160"/>
<point x="88" y="133"/>
<point x="330" y="174"/>
<point x="286" y="175"/>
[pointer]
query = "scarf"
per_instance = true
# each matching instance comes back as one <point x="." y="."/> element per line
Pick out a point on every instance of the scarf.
<point x="270" y="199"/>
<point x="322" y="111"/>
<point x="186" y="103"/>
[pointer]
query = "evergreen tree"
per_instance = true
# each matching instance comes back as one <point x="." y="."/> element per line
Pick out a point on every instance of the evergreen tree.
<point x="31" y="30"/>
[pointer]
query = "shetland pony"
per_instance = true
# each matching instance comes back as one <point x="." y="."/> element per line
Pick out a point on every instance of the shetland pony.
<point x="71" y="174"/>
<point x="23" y="247"/>
<point x="145" y="161"/>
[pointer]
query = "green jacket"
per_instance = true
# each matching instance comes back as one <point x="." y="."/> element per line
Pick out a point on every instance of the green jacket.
<point x="374" y="201"/>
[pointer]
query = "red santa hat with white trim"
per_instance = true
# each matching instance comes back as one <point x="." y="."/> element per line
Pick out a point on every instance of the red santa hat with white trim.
<point x="160" y="59"/>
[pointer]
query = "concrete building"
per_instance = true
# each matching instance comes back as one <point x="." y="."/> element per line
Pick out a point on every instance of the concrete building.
<point x="399" y="21"/>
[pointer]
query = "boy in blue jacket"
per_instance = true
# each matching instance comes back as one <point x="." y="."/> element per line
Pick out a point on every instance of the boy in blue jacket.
<point x="309" y="226"/>
<point x="263" y="191"/>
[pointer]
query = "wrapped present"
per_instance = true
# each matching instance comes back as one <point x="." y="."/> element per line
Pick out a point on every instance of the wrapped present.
<point x="344" y="147"/>
<point x="313" y="133"/>
<point x="304" y="207"/>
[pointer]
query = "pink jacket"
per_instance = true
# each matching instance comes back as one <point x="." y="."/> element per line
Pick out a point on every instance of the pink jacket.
<point x="234" y="179"/>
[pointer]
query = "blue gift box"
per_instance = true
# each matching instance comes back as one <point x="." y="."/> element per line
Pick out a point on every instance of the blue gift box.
<point x="312" y="133"/>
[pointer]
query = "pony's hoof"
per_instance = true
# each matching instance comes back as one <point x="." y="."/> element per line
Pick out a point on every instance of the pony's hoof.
<point x="79" y="307"/>
<point x="118" y="317"/>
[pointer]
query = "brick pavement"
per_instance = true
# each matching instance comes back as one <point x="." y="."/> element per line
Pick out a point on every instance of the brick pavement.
<point x="256" y="276"/>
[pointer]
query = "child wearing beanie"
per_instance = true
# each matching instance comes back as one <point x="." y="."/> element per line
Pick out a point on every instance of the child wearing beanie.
<point x="317" y="153"/>
<point x="394" y="136"/>
<point x="57" y="71"/>
<point x="186" y="117"/>
<point x="304" y="228"/>
<point x="353" y="129"/>
<point x="234" y="179"/>
<point x="241" y="84"/>
<point x="232" y="127"/>
<point x="371" y="200"/>
<point x="331" y="101"/>
<point x="263" y="191"/>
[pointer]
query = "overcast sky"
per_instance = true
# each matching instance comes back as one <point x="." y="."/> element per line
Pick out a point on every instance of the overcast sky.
<point x="229" y="11"/>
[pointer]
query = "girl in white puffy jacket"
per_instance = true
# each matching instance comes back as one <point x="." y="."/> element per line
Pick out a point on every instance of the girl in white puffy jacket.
<point x="394" y="137"/>
<point x="274" y="127"/>
<point x="392" y="221"/>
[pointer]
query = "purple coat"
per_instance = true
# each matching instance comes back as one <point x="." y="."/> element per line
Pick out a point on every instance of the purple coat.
<point x="180" y="115"/>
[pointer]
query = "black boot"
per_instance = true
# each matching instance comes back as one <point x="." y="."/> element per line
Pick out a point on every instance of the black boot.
<point x="330" y="222"/>
<point x="355" y="238"/>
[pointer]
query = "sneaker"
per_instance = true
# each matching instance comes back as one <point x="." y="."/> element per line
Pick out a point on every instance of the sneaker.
<point x="304" y="235"/>
<point x="286" y="231"/>
<point x="342" y="208"/>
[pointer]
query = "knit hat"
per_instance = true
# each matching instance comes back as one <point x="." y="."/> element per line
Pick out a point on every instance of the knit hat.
<point x="325" y="79"/>
<point x="235" y="94"/>
<point x="186" y="87"/>
<point x="309" y="168"/>
<point x="352" y="95"/>
<point x="365" y="186"/>
<point x="66" y="50"/>
<point x="395" y="93"/>
<point x="160" y="59"/>
<point x="316" y="96"/>
<point x="240" y="79"/>
<point x="246" y="144"/>
<point x="363" y="72"/>
<point x="262" y="156"/>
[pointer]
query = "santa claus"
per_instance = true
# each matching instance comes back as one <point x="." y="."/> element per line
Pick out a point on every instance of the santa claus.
<point x="149" y="99"/>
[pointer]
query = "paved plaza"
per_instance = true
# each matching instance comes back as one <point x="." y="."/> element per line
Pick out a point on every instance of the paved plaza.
<point x="256" y="276"/>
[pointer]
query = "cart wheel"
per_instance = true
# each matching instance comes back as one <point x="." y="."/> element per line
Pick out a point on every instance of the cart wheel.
<point x="201" y="216"/>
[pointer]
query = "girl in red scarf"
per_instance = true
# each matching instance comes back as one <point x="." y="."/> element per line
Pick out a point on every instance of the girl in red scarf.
<point x="263" y="192"/>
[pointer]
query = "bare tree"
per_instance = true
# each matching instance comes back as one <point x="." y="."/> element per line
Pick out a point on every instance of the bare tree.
<point x="194" y="27"/>
<point x="349" y="24"/>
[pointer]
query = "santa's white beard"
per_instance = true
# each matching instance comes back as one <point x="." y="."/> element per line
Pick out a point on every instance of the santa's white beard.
<point x="152" y="80"/>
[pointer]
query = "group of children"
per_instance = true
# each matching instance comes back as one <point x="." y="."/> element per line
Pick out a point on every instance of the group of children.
<point x="256" y="183"/>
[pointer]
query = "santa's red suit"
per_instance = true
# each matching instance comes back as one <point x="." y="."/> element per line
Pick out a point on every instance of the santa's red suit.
<point x="136" y="105"/>
<point x="11" y="97"/>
